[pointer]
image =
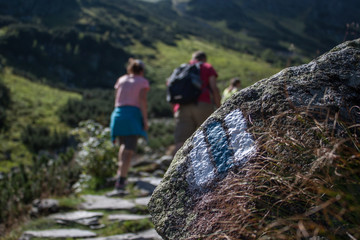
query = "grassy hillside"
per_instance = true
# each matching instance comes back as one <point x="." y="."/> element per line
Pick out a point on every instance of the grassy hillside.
<point x="276" y="24"/>
<point x="228" y="63"/>
<point x="35" y="104"/>
<point x="32" y="104"/>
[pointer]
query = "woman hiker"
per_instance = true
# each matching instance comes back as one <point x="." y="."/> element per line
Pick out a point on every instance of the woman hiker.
<point x="129" y="119"/>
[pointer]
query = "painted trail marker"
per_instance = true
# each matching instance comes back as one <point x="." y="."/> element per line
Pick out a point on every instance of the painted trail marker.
<point x="220" y="146"/>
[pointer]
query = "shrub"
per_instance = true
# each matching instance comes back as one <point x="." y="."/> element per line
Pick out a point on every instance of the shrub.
<point x="268" y="55"/>
<point x="161" y="133"/>
<point x="157" y="104"/>
<point x="46" y="177"/>
<point x="96" y="104"/>
<point x="38" y="138"/>
<point x="97" y="155"/>
<point x="5" y="101"/>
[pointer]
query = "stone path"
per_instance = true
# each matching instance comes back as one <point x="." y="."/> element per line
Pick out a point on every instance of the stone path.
<point x="95" y="202"/>
<point x="91" y="212"/>
<point x="126" y="217"/>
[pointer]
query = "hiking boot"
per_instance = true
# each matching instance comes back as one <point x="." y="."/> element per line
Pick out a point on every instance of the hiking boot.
<point x="119" y="190"/>
<point x="120" y="184"/>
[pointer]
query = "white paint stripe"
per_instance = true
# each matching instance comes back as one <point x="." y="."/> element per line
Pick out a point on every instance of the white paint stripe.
<point x="202" y="167"/>
<point x="241" y="141"/>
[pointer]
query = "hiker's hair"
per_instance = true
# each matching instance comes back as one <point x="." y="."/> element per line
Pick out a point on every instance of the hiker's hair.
<point x="234" y="81"/>
<point x="199" y="56"/>
<point x="135" y="66"/>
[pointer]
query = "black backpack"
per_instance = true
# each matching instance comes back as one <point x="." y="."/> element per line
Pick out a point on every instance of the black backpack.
<point x="184" y="84"/>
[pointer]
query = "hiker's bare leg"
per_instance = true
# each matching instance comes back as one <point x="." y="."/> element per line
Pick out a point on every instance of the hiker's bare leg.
<point x="124" y="161"/>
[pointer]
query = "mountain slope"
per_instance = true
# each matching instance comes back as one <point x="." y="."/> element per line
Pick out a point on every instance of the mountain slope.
<point x="310" y="25"/>
<point x="82" y="42"/>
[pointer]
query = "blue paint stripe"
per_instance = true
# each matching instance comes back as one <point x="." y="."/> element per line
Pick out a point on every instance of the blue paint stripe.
<point x="219" y="146"/>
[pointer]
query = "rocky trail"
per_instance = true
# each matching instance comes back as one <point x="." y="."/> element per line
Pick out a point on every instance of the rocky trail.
<point x="97" y="213"/>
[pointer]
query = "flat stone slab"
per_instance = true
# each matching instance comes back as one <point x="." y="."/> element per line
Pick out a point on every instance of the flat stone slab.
<point x="95" y="202"/>
<point x="81" y="217"/>
<point x="145" y="235"/>
<point x="142" y="201"/>
<point x="60" y="233"/>
<point x="146" y="185"/>
<point x="127" y="217"/>
<point x="73" y="216"/>
<point x="151" y="180"/>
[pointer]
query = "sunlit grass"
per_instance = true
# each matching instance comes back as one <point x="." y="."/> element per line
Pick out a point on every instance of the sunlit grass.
<point x="228" y="63"/>
<point x="3" y="31"/>
<point x="70" y="202"/>
<point x="32" y="104"/>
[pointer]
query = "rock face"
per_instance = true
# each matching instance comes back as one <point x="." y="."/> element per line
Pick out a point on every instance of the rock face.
<point x="329" y="84"/>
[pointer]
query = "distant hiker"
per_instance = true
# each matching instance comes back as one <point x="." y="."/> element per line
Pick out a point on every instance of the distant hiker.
<point x="235" y="85"/>
<point x="129" y="119"/>
<point x="189" y="116"/>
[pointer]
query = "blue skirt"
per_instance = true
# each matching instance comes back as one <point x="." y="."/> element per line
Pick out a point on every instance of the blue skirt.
<point x="127" y="121"/>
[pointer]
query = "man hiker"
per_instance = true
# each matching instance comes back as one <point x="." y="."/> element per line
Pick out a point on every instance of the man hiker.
<point x="188" y="117"/>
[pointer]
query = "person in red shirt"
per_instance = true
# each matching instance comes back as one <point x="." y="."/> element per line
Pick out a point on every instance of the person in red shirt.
<point x="188" y="117"/>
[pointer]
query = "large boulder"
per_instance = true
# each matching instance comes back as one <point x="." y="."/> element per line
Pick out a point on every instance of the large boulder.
<point x="257" y="155"/>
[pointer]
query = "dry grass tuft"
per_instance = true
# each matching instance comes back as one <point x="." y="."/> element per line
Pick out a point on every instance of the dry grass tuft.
<point x="304" y="182"/>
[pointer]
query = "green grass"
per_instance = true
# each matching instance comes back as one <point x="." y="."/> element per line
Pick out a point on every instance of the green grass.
<point x="70" y="202"/>
<point x="115" y="228"/>
<point x="242" y="35"/>
<point x="3" y="31"/>
<point x="32" y="104"/>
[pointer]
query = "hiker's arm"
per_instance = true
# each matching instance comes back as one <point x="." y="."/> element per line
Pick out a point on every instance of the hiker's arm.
<point x="143" y="107"/>
<point x="116" y="86"/>
<point x="215" y="90"/>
